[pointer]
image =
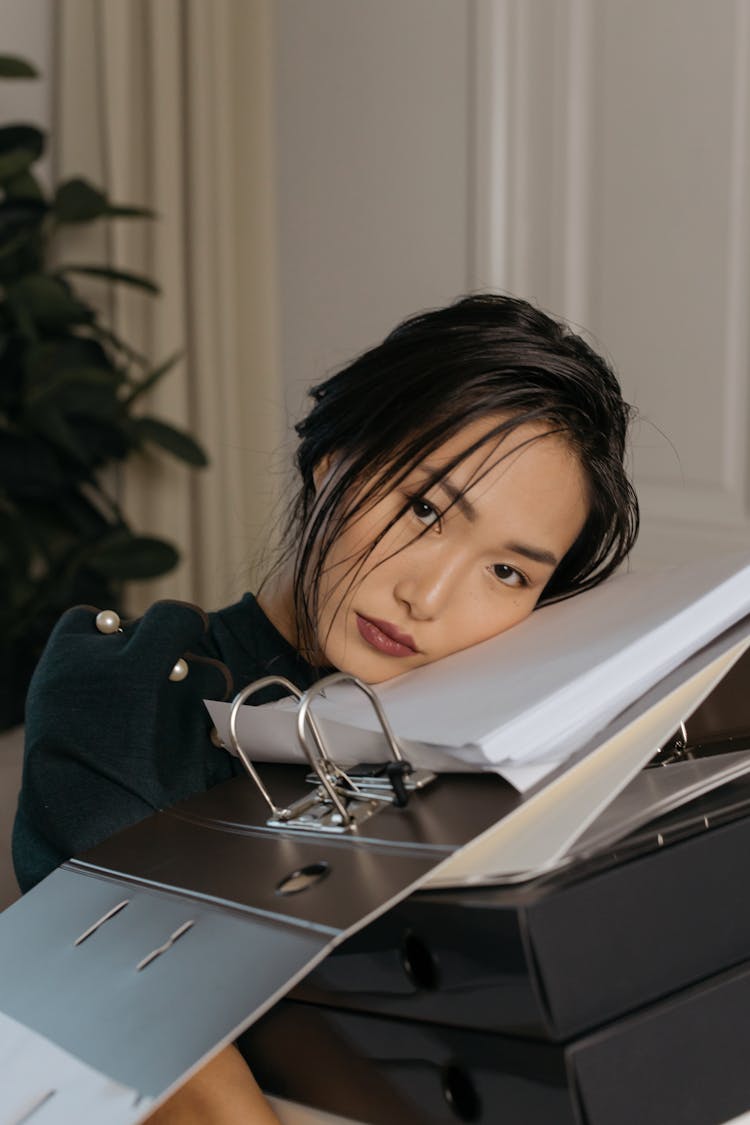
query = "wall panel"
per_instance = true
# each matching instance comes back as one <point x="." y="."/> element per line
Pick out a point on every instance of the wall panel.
<point x="619" y="141"/>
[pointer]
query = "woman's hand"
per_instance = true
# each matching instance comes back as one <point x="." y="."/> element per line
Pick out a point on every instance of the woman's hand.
<point x="223" y="1092"/>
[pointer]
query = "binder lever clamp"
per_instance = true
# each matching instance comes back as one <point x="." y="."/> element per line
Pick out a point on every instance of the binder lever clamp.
<point x="340" y="800"/>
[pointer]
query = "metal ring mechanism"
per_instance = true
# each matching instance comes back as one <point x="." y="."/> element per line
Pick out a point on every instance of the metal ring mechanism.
<point x="240" y="698"/>
<point x="397" y="770"/>
<point x="338" y="803"/>
<point x="676" y="749"/>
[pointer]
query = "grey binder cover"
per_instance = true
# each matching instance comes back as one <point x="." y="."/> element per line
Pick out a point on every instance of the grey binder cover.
<point x="206" y="943"/>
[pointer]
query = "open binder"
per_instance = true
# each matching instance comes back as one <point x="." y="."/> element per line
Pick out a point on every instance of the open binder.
<point x="241" y="891"/>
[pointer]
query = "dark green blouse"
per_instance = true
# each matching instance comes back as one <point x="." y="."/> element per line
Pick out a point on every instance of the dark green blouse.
<point x="110" y="738"/>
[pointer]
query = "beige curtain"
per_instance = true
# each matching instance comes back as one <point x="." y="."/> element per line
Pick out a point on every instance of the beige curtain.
<point x="168" y="103"/>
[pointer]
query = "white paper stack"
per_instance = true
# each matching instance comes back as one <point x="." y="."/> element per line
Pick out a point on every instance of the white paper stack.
<point x="521" y="703"/>
<point x="43" y="1083"/>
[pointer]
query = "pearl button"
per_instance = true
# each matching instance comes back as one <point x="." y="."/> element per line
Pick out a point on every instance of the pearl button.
<point x="107" y="621"/>
<point x="180" y="671"/>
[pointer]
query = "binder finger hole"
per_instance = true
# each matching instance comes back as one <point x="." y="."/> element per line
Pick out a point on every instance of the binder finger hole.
<point x="419" y="962"/>
<point x="303" y="878"/>
<point x="460" y="1093"/>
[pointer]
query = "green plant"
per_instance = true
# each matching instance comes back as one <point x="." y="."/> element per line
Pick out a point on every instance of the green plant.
<point x="68" y="392"/>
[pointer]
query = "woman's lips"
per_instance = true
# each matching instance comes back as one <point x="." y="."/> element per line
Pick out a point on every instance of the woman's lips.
<point x="385" y="637"/>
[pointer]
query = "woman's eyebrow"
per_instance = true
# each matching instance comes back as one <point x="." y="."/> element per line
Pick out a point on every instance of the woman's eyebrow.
<point x="455" y="495"/>
<point x="458" y="498"/>
<point x="536" y="554"/>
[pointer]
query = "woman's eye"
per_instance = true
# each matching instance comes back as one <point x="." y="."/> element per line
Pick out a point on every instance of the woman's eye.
<point x="424" y="511"/>
<point x="508" y="575"/>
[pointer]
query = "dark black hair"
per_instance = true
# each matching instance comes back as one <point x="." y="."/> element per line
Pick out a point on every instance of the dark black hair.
<point x="384" y="413"/>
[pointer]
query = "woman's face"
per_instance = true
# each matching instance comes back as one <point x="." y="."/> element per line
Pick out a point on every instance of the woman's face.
<point x="497" y="526"/>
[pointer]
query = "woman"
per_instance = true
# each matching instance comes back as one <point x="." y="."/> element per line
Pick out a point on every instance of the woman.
<point x="453" y="478"/>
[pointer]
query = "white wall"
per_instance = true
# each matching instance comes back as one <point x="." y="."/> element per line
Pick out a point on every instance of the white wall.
<point x="619" y="196"/>
<point x="593" y="155"/>
<point x="373" y="171"/>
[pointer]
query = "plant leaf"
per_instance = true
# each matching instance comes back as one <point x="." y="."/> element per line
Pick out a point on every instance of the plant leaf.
<point x="126" y="211"/>
<point x="50" y="423"/>
<point x="48" y="526"/>
<point x="175" y="441"/>
<point x="85" y="519"/>
<point x="62" y="353"/>
<point x="48" y="301"/>
<point x="127" y="557"/>
<point x="107" y="336"/>
<point x="15" y="552"/>
<point x="23" y="253"/>
<point x="19" y="220"/>
<point x="106" y="273"/>
<point x="11" y="66"/>
<point x="101" y="434"/>
<point x="152" y="378"/>
<point x="28" y="467"/>
<point x="78" y="201"/>
<point x="24" y="186"/>
<point x="14" y="163"/>
<point x="70" y="385"/>
<point x="20" y="146"/>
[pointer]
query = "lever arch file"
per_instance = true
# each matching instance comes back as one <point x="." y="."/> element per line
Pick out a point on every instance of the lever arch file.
<point x="551" y="958"/>
<point x="682" y="1060"/>
<point x="199" y="918"/>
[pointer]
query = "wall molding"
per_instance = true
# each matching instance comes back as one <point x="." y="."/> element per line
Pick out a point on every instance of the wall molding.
<point x="549" y="183"/>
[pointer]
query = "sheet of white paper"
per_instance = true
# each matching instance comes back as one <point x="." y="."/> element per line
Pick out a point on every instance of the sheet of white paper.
<point x="43" y="1083"/>
<point x="523" y="701"/>
<point x="536" y="835"/>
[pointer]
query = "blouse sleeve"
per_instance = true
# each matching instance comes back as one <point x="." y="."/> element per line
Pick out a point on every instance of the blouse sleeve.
<point x="109" y="736"/>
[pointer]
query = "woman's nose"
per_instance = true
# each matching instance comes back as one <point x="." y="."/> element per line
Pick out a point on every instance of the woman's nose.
<point x="426" y="589"/>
